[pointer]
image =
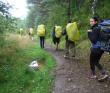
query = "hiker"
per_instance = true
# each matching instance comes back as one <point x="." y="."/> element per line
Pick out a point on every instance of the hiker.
<point x="28" y="31"/>
<point x="56" y="34"/>
<point x="21" y="31"/>
<point x="96" y="52"/>
<point x="31" y="33"/>
<point x="69" y="44"/>
<point x="41" y="31"/>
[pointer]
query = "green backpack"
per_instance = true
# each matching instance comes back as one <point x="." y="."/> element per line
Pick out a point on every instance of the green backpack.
<point x="72" y="32"/>
<point x="41" y="30"/>
<point x="58" y="30"/>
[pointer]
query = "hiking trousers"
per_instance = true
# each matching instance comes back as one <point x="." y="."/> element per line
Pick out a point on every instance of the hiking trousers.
<point x="94" y="61"/>
<point x="70" y="46"/>
<point x="42" y="42"/>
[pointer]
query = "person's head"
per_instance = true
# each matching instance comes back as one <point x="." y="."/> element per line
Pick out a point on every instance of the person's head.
<point x="93" y="21"/>
<point x="69" y="21"/>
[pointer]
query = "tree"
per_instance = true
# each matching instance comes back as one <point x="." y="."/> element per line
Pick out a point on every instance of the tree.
<point x="6" y="23"/>
<point x="94" y="11"/>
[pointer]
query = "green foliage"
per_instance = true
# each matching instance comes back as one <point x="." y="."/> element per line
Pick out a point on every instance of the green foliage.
<point x="102" y="9"/>
<point x="4" y="8"/>
<point x="83" y="45"/>
<point x="17" y="76"/>
<point x="58" y="15"/>
<point x="51" y="12"/>
<point x="7" y="24"/>
<point x="1" y="24"/>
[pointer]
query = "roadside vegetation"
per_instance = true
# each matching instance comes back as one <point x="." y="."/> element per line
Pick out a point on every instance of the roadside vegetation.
<point x="16" y="75"/>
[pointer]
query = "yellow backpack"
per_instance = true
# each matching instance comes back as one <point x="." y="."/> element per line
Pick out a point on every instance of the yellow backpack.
<point x="58" y="30"/>
<point x="72" y="32"/>
<point x="41" y="30"/>
<point x="31" y="31"/>
<point x="21" y="31"/>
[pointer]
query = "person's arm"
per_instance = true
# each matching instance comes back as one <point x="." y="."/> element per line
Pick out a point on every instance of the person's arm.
<point x="53" y="33"/>
<point x="64" y="32"/>
<point x="93" y="36"/>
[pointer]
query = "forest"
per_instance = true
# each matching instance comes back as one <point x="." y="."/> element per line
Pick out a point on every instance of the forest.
<point x="49" y="13"/>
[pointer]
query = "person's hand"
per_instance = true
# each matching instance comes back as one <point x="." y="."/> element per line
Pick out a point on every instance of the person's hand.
<point x="61" y="32"/>
<point x="89" y="30"/>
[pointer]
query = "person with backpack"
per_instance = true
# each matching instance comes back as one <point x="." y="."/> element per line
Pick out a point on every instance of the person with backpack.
<point x="41" y="31"/>
<point x="21" y="31"/>
<point x="56" y="34"/>
<point x="96" y="52"/>
<point x="30" y="32"/>
<point x="69" y="43"/>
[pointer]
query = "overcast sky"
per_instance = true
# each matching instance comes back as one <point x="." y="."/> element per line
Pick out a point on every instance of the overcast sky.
<point x="19" y="8"/>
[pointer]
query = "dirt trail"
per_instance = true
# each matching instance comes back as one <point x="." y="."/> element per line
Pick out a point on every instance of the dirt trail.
<point x="71" y="76"/>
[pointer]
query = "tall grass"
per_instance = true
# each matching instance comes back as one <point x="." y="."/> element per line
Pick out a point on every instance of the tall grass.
<point x="15" y="74"/>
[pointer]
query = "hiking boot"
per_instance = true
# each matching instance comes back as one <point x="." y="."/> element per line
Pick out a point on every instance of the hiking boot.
<point x="103" y="77"/>
<point x="65" y="56"/>
<point x="56" y="48"/>
<point x="92" y="76"/>
<point x="73" y="58"/>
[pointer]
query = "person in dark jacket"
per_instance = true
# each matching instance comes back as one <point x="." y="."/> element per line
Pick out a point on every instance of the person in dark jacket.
<point x="96" y="52"/>
<point x="69" y="45"/>
<point x="42" y="40"/>
<point x="55" y="40"/>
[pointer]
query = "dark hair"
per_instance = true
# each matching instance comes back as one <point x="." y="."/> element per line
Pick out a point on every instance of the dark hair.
<point x="69" y="21"/>
<point x="95" y="19"/>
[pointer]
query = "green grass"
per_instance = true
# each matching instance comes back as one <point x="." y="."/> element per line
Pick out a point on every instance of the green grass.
<point x="83" y="45"/>
<point x="15" y="74"/>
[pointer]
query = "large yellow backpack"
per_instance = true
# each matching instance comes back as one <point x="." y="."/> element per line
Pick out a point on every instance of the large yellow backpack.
<point x="72" y="32"/>
<point x="58" y="30"/>
<point x="31" y="31"/>
<point x="21" y="31"/>
<point x="41" y="30"/>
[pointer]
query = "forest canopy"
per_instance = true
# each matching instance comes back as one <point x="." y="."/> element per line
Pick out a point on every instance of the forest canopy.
<point x="51" y="12"/>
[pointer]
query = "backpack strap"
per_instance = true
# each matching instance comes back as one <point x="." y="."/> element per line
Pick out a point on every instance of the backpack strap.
<point x="96" y="45"/>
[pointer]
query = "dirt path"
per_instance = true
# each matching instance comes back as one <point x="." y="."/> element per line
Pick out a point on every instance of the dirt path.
<point x="71" y="76"/>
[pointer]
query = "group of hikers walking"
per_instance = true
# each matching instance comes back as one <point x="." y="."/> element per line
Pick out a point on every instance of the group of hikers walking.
<point x="72" y="35"/>
<point x="30" y="32"/>
<point x="70" y="31"/>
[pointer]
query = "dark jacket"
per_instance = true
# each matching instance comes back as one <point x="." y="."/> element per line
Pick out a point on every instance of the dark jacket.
<point x="54" y="39"/>
<point x="94" y="36"/>
<point x="64" y="33"/>
<point x="53" y="33"/>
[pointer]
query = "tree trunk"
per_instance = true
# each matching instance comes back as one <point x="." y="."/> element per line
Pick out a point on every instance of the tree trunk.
<point x="68" y="8"/>
<point x="94" y="11"/>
